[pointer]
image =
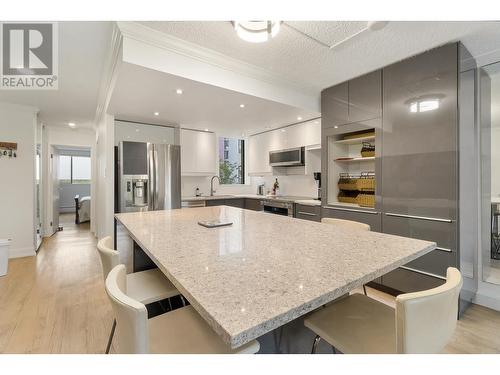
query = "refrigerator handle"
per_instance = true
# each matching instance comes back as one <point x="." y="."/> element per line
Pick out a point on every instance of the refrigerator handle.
<point x="156" y="183"/>
<point x="151" y="177"/>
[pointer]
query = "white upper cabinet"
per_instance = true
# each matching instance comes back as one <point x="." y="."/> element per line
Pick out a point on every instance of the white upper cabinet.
<point x="306" y="134"/>
<point x="258" y="154"/>
<point x="198" y="153"/>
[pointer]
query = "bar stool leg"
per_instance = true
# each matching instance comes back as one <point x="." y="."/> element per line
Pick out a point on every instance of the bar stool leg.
<point x="364" y="289"/>
<point x="183" y="301"/>
<point x="317" y="339"/>
<point x="111" y="334"/>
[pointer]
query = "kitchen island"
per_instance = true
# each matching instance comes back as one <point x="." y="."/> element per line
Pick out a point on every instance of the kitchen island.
<point x="264" y="270"/>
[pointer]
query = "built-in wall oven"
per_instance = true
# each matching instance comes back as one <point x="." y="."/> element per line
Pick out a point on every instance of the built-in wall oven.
<point x="277" y="207"/>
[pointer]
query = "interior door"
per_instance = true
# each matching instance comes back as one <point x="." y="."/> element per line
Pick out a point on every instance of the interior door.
<point x="38" y="197"/>
<point x="55" y="188"/>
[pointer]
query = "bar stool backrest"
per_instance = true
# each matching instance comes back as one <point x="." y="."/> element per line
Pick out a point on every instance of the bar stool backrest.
<point x="132" y="335"/>
<point x="109" y="256"/>
<point x="425" y="321"/>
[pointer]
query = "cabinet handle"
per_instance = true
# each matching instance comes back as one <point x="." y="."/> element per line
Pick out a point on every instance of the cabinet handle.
<point x="423" y="272"/>
<point x="420" y="217"/>
<point x="444" y="249"/>
<point x="352" y="210"/>
<point x="306" y="213"/>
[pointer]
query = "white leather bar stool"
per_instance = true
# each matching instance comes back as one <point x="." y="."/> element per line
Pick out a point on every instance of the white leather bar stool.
<point x="423" y="322"/>
<point x="145" y="286"/>
<point x="348" y="224"/>
<point x="181" y="331"/>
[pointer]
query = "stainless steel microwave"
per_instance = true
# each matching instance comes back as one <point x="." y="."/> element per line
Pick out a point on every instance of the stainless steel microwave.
<point x="291" y="157"/>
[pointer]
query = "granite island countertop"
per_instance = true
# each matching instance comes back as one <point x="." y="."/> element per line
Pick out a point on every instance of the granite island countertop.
<point x="265" y="270"/>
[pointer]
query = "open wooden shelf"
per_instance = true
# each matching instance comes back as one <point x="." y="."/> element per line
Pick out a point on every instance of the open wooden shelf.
<point x="354" y="141"/>
<point x="355" y="160"/>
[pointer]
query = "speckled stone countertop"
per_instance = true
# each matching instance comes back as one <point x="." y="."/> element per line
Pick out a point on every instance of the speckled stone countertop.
<point x="265" y="270"/>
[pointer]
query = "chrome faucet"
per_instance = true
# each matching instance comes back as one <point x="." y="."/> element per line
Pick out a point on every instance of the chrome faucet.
<point x="212" y="191"/>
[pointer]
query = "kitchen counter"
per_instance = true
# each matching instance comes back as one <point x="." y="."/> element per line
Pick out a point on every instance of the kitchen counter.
<point x="309" y="201"/>
<point x="264" y="270"/>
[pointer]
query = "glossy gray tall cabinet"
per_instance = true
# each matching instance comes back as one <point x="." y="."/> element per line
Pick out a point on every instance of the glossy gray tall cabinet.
<point x="420" y="162"/>
<point x="427" y="103"/>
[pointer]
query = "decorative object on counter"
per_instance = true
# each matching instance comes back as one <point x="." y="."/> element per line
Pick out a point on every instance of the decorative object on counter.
<point x="368" y="150"/>
<point x="214" y="223"/>
<point x="260" y="189"/>
<point x="8" y="149"/>
<point x="276" y="187"/>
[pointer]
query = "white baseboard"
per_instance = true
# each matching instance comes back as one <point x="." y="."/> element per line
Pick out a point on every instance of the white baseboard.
<point x="21" y="252"/>
<point x="487" y="301"/>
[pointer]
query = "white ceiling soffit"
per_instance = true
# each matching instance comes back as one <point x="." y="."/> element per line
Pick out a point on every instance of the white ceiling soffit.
<point x="157" y="50"/>
<point x="82" y="50"/>
<point x="300" y="52"/>
<point x="140" y="92"/>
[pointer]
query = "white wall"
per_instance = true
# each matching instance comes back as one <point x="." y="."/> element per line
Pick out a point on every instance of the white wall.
<point x="104" y="166"/>
<point x="17" y="176"/>
<point x="65" y="136"/>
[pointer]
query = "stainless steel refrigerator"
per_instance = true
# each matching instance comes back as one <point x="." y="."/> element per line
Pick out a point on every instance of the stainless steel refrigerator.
<point x="149" y="177"/>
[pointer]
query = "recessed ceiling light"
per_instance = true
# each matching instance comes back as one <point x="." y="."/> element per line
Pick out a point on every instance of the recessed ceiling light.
<point x="316" y="122"/>
<point x="283" y="130"/>
<point x="206" y="130"/>
<point x="335" y="127"/>
<point x="179" y="91"/>
<point x="242" y="105"/>
<point x="157" y="113"/>
<point x="299" y="118"/>
<point x="71" y="124"/>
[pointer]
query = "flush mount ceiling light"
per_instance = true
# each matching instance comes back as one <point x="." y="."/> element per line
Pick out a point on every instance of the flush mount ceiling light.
<point x="179" y="91"/>
<point x="157" y="113"/>
<point x="242" y="105"/>
<point x="256" y="31"/>
<point x="71" y="124"/>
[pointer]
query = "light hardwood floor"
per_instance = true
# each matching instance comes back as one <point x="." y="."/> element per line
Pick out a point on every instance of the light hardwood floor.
<point x="55" y="302"/>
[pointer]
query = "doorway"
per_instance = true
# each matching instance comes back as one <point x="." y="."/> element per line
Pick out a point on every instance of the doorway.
<point x="71" y="186"/>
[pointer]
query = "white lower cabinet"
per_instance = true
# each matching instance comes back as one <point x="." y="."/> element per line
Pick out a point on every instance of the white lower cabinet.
<point x="198" y="153"/>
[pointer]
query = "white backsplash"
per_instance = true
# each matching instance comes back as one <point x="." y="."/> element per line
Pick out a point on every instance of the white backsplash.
<point x="296" y="185"/>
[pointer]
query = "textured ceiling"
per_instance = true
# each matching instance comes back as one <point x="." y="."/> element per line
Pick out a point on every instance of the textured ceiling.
<point x="300" y="59"/>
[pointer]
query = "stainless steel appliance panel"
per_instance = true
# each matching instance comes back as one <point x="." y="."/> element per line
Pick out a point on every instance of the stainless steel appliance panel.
<point x="166" y="176"/>
<point x="287" y="158"/>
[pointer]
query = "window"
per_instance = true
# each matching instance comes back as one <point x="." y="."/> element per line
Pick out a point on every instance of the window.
<point x="231" y="161"/>
<point x="74" y="169"/>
